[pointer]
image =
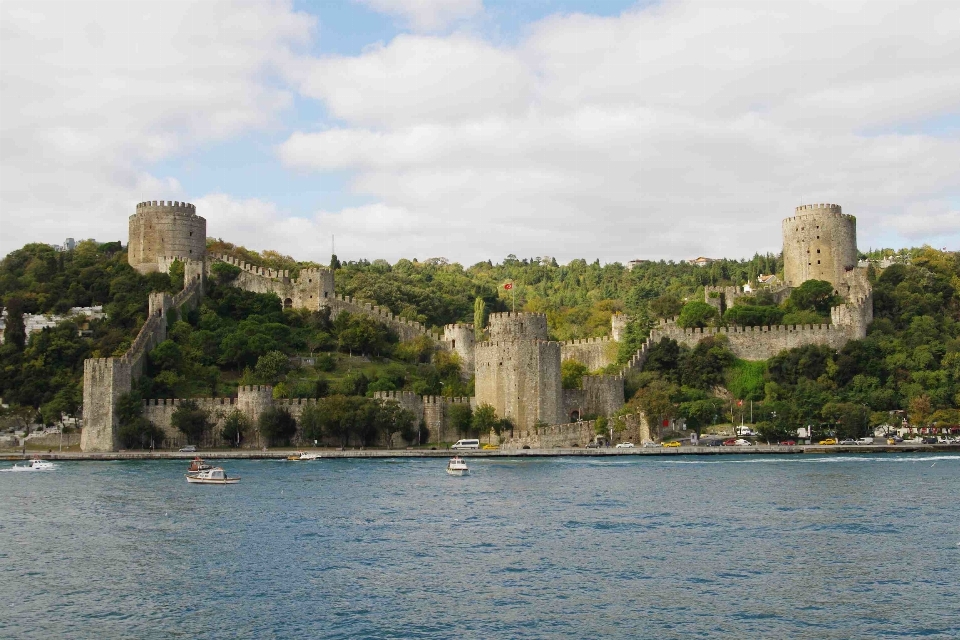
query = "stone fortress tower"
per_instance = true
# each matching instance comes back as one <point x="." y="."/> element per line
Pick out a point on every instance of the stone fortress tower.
<point x="819" y="243"/>
<point x="518" y="370"/>
<point x="163" y="230"/>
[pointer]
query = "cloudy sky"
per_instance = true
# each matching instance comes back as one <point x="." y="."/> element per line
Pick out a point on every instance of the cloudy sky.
<point x="472" y="129"/>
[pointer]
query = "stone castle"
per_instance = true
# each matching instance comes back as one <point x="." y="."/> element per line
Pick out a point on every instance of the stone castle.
<point x="517" y="369"/>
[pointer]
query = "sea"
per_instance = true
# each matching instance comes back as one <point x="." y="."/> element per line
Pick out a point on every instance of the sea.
<point x="732" y="546"/>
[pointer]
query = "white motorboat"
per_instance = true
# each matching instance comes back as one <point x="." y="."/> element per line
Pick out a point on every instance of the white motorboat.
<point x="35" y="465"/>
<point x="213" y="475"/>
<point x="457" y="467"/>
<point x="303" y="455"/>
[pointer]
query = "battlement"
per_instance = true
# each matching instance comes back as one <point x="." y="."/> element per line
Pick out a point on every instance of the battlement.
<point x="813" y="212"/>
<point x="457" y="326"/>
<point x="515" y="315"/>
<point x="601" y="340"/>
<point x="255" y="388"/>
<point x="378" y="313"/>
<point x="167" y="206"/>
<point x="512" y="344"/>
<point x="832" y="208"/>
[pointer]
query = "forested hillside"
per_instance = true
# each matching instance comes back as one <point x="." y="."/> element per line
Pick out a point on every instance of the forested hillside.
<point x="909" y="361"/>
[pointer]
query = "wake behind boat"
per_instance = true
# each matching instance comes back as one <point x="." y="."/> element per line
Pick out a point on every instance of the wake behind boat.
<point x="35" y="465"/>
<point x="213" y="475"/>
<point x="457" y="467"/>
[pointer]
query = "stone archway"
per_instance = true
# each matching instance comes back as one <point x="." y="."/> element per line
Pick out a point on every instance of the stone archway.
<point x="575" y="415"/>
<point x="288" y="304"/>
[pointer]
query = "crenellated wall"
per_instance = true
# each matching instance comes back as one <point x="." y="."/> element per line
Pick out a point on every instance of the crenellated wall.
<point x="406" y="329"/>
<point x="312" y="290"/>
<point x="757" y="343"/>
<point x="595" y="353"/>
<point x="517" y="326"/>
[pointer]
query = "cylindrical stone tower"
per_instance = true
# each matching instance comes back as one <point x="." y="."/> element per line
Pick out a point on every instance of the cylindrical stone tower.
<point x="517" y="326"/>
<point x="819" y="243"/>
<point x="462" y="340"/>
<point x="165" y="229"/>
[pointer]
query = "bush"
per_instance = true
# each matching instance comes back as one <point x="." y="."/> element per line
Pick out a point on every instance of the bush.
<point x="277" y="426"/>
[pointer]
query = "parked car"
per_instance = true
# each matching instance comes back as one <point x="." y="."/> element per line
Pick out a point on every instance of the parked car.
<point x="828" y="441"/>
<point x="648" y="444"/>
<point x="864" y="440"/>
<point x="625" y="445"/>
<point x="930" y="440"/>
<point x="849" y="441"/>
<point x="711" y="442"/>
<point x="740" y="442"/>
<point x="190" y="448"/>
<point x="671" y="444"/>
<point x="730" y="442"/>
<point x="593" y="445"/>
<point x="789" y="443"/>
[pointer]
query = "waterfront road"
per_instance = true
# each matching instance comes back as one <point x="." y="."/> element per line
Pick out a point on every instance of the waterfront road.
<point x="251" y="454"/>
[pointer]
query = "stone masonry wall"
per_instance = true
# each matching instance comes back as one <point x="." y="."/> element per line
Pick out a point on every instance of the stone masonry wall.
<point x="521" y="380"/>
<point x="461" y="339"/>
<point x="757" y="343"/>
<point x="312" y="290"/>
<point x="599" y="396"/>
<point x="595" y="353"/>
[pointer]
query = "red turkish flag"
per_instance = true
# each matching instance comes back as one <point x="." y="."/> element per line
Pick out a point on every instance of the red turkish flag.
<point x="509" y="285"/>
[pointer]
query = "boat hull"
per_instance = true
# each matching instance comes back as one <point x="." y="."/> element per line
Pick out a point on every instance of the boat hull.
<point x="196" y="480"/>
<point x="458" y="472"/>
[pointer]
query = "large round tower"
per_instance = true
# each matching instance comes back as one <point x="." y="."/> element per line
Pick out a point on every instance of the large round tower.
<point x="165" y="229"/>
<point x="819" y="243"/>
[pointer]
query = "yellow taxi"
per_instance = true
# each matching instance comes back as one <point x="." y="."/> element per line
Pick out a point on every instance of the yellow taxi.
<point x="828" y="441"/>
<point x="671" y="444"/>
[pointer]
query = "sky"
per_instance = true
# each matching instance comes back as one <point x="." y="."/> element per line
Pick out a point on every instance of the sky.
<point x="474" y="129"/>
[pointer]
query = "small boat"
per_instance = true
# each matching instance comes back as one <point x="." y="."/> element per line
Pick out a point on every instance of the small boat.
<point x="213" y="475"/>
<point x="35" y="465"/>
<point x="457" y="467"/>
<point x="198" y="465"/>
<point x="303" y="455"/>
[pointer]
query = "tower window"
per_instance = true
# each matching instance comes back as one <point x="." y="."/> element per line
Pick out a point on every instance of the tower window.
<point x="818" y="250"/>
<point x="818" y="262"/>
<point x="191" y="234"/>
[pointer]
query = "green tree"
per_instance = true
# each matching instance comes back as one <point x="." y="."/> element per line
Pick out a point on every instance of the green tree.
<point x="479" y="317"/>
<point x="571" y="374"/>
<point x="133" y="429"/>
<point x="311" y="422"/>
<point x="235" y="428"/>
<point x="656" y="403"/>
<point x="696" y="314"/>
<point x="461" y="418"/>
<point x="192" y="421"/>
<point x="485" y="418"/>
<point x="271" y="366"/>
<point x="814" y="295"/>
<point x="277" y="426"/>
<point x="15" y="332"/>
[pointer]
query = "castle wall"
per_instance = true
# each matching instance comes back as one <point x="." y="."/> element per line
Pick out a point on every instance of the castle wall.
<point x="312" y="290"/>
<point x="595" y="353"/>
<point x="618" y="324"/>
<point x="599" y="396"/>
<point x="758" y="343"/>
<point x="521" y="380"/>
<point x="819" y="243"/>
<point x="406" y="329"/>
<point x="104" y="381"/>
<point x="164" y="228"/>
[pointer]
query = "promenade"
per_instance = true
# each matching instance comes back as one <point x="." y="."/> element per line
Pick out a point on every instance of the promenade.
<point x="279" y="454"/>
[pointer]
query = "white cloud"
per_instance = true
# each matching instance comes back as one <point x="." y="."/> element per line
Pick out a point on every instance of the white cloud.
<point x="675" y="130"/>
<point x="426" y="15"/>
<point x="95" y="93"/>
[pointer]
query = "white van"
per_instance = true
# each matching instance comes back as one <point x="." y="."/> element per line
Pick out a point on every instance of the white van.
<point x="466" y="444"/>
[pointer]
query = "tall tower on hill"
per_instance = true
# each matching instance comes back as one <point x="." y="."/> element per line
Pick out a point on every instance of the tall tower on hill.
<point x="518" y="370"/>
<point x="161" y="231"/>
<point x="819" y="243"/>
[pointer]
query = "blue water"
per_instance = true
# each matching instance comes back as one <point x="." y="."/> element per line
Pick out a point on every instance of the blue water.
<point x="802" y="546"/>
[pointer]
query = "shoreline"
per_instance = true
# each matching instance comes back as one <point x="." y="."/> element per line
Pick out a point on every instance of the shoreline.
<point x="281" y="454"/>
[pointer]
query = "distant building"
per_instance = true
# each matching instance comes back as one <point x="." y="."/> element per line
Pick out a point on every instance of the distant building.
<point x="768" y="280"/>
<point x="635" y="263"/>
<point x="33" y="323"/>
<point x="701" y="261"/>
